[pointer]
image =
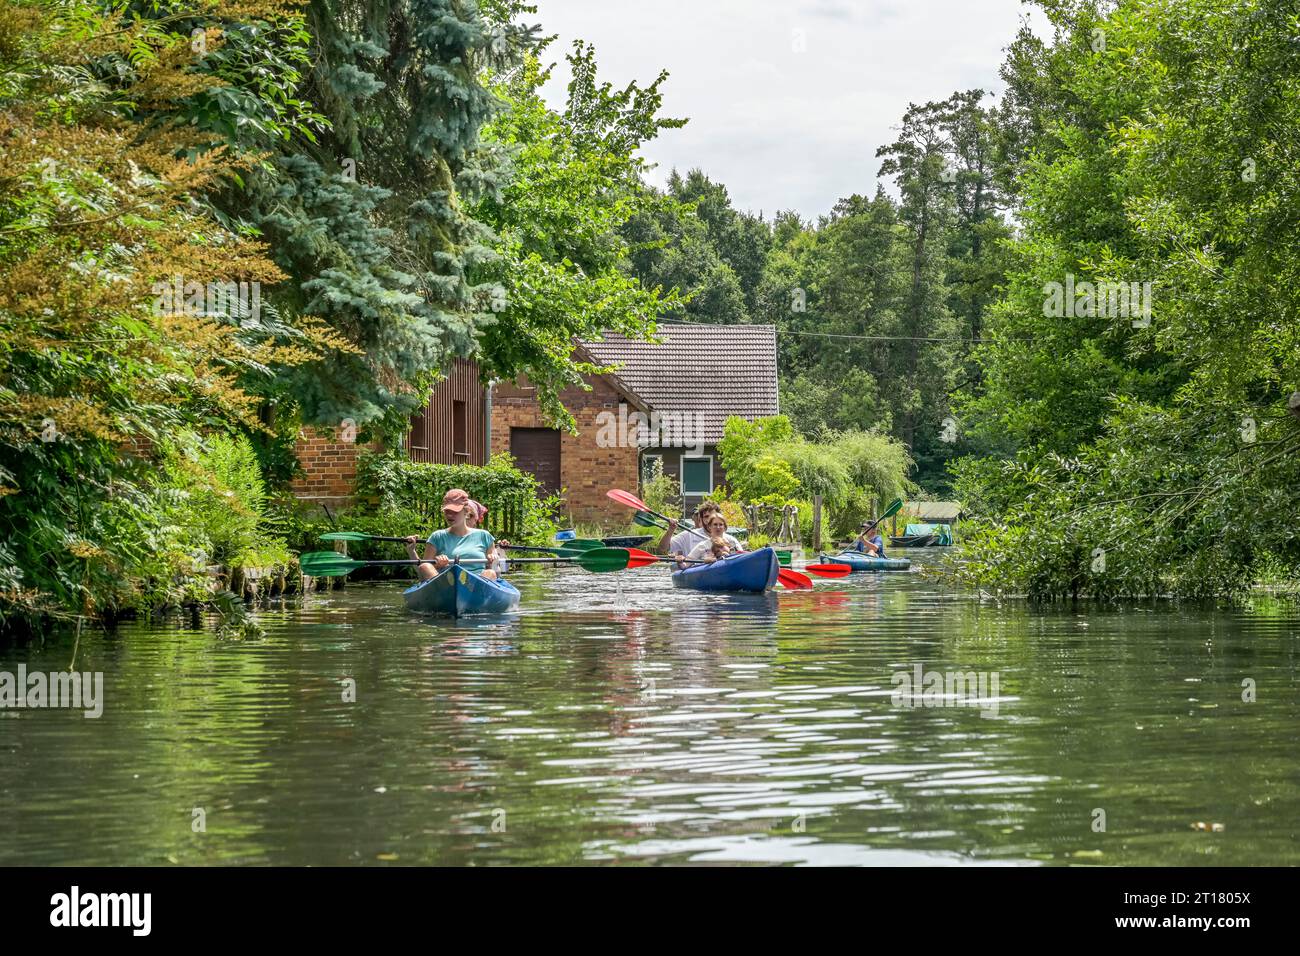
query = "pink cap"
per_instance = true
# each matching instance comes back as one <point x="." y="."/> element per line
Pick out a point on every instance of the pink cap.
<point x="455" y="500"/>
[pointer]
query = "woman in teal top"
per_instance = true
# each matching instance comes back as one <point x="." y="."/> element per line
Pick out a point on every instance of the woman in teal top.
<point x="456" y="542"/>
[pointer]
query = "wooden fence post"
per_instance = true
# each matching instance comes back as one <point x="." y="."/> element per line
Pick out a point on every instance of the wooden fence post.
<point x="817" y="522"/>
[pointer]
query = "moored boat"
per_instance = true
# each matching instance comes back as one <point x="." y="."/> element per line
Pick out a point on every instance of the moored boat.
<point x="750" y="571"/>
<point x="627" y="541"/>
<point x="865" y="562"/>
<point x="458" y="591"/>
<point x="923" y="536"/>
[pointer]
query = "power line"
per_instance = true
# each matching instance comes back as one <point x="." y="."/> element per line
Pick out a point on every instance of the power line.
<point x="881" y="338"/>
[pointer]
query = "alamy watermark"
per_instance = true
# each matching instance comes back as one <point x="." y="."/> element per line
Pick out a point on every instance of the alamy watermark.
<point x="1087" y="300"/>
<point x="61" y="689"/>
<point x="129" y="910"/>
<point x="921" y="688"/>
<point x="237" y="300"/>
<point x="626" y="429"/>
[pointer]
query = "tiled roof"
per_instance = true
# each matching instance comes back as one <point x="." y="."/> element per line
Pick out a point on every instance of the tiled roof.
<point x="702" y="374"/>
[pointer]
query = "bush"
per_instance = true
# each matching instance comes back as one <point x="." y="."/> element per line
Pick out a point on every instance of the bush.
<point x="413" y="491"/>
<point x="214" y="490"/>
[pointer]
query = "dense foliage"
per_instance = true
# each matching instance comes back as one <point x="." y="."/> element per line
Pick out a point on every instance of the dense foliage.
<point x="1147" y="453"/>
<point x="102" y="183"/>
<point x="397" y="484"/>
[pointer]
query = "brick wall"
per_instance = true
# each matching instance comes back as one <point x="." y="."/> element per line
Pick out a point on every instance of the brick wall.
<point x="587" y="471"/>
<point x="330" y="465"/>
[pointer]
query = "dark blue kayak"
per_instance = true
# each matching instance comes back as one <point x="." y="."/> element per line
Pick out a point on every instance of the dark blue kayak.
<point x="865" y="562"/>
<point x="753" y="571"/>
<point x="459" y="591"/>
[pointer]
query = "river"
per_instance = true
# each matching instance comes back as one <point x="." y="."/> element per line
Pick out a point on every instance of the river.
<point x="616" y="720"/>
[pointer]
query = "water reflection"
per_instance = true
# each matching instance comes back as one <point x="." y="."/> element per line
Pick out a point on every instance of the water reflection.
<point x="616" y="719"/>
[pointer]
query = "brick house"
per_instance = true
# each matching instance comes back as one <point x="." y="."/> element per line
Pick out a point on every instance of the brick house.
<point x="583" y="465"/>
<point x="693" y="379"/>
<point x="664" y="402"/>
<point x="451" y="429"/>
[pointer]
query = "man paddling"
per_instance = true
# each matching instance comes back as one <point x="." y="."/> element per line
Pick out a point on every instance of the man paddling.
<point x="869" y="540"/>
<point x="680" y="544"/>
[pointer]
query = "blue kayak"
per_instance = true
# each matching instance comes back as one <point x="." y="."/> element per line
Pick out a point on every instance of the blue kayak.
<point x="752" y="571"/>
<point x="459" y="591"/>
<point x="865" y="562"/>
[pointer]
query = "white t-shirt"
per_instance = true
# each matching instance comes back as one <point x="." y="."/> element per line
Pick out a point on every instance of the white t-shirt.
<point x="705" y="547"/>
<point x="684" y="542"/>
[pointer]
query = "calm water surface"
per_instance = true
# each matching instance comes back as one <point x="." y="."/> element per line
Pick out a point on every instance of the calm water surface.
<point x="615" y="720"/>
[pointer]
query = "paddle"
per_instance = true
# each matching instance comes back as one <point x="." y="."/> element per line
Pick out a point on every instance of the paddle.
<point x="894" y="508"/>
<point x="635" y="503"/>
<point x="582" y="544"/>
<point x="575" y="548"/>
<point x="319" y="564"/>
<point x="562" y="552"/>
<point x="828" y="570"/>
<point x="649" y="521"/>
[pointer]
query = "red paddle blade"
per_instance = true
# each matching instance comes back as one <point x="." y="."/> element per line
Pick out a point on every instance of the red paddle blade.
<point x="624" y="498"/>
<point x="636" y="558"/>
<point x="828" y="570"/>
<point x="794" y="580"/>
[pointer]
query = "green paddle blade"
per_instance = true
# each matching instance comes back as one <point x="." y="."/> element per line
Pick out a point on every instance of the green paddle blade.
<point x="344" y="536"/>
<point x="582" y="544"/>
<point x="646" y="520"/>
<point x="327" y="564"/>
<point x="894" y="508"/>
<point x="604" y="559"/>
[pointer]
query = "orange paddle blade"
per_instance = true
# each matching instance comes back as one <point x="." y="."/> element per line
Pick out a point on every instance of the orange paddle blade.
<point x="828" y="570"/>
<point x="794" y="580"/>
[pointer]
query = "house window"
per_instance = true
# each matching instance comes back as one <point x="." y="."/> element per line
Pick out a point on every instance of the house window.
<point x="459" y="431"/>
<point x="652" y="467"/>
<point x="697" y="475"/>
<point x="417" y="442"/>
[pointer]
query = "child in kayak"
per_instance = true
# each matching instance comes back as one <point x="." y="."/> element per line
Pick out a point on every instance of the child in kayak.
<point x="458" y="541"/>
<point x="719" y="544"/>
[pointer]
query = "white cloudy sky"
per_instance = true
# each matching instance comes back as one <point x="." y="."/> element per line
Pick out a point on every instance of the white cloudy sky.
<point x="786" y="129"/>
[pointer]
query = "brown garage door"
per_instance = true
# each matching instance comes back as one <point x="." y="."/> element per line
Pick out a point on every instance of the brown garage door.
<point x="537" y="451"/>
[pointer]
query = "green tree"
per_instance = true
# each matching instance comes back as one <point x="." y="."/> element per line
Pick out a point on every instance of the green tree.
<point x="1141" y="455"/>
<point x="573" y="184"/>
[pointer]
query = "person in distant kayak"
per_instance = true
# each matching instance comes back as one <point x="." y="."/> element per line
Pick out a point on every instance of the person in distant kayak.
<point x="679" y="544"/>
<point x="719" y="544"/>
<point x="458" y="541"/>
<point x="869" y="540"/>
